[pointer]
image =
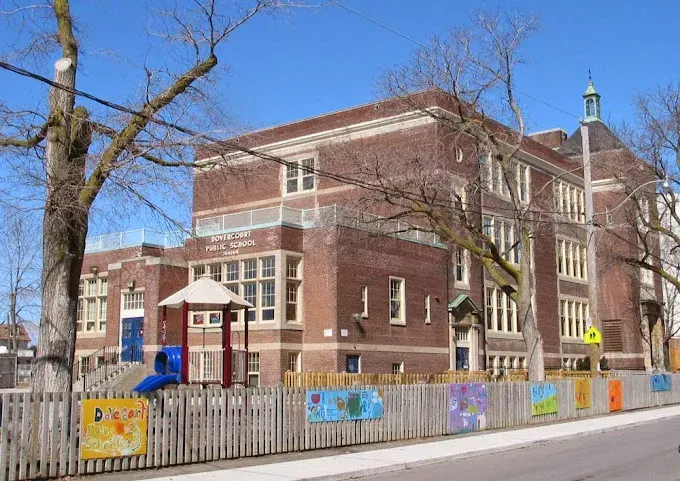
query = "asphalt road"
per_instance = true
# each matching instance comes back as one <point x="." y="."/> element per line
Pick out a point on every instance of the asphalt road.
<point x="644" y="453"/>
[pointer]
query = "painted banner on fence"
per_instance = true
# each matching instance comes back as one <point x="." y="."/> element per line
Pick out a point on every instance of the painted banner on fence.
<point x="467" y="408"/>
<point x="111" y="428"/>
<point x="661" y="382"/>
<point x="615" y="395"/>
<point x="344" y="405"/>
<point x="582" y="395"/>
<point x="543" y="399"/>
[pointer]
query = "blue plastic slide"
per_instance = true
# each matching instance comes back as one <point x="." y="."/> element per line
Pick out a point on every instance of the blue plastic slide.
<point x="157" y="381"/>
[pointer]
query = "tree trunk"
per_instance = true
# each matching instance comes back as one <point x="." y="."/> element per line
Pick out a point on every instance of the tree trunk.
<point x="64" y="232"/>
<point x="658" y="332"/>
<point x="532" y="336"/>
<point x="525" y="312"/>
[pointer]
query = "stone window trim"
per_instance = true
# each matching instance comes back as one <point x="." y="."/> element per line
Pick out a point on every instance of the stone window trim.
<point x="572" y="261"/>
<point x="397" y="301"/>
<point x="92" y="308"/>
<point x="233" y="277"/>
<point x="491" y="178"/>
<point x="300" y="177"/>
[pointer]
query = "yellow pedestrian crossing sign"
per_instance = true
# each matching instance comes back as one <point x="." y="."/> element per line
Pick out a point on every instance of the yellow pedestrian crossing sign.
<point x="592" y="336"/>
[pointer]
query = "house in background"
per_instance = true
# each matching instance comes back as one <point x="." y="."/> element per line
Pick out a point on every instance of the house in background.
<point x="23" y="366"/>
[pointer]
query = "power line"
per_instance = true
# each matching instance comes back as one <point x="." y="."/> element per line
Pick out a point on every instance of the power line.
<point x="386" y="190"/>
<point x="420" y="44"/>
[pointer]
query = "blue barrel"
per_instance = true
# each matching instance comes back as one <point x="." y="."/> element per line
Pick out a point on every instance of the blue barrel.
<point x="168" y="360"/>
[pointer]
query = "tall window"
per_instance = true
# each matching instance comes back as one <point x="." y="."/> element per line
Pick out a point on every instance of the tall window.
<point x="197" y="272"/>
<point x="295" y="361"/>
<point x="133" y="301"/>
<point x="590" y="107"/>
<point x="294" y="274"/>
<point x="570" y="201"/>
<point x="501" y="311"/>
<point x="255" y="280"/>
<point x="92" y="305"/>
<point x="428" y="318"/>
<point x="397" y="304"/>
<point x="503" y="234"/>
<point x="364" y="301"/>
<point x="492" y="178"/>
<point x="299" y="176"/>
<point x="254" y="369"/>
<point x="572" y="259"/>
<point x="462" y="262"/>
<point x="573" y="315"/>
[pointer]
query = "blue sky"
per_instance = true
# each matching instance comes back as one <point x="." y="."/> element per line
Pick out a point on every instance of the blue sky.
<point x="324" y="59"/>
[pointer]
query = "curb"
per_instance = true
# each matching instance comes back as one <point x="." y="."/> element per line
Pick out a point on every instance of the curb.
<point x="400" y="466"/>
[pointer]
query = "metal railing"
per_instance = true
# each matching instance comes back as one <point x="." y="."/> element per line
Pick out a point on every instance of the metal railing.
<point x="319" y="216"/>
<point x="134" y="238"/>
<point x="92" y="370"/>
<point x="258" y="218"/>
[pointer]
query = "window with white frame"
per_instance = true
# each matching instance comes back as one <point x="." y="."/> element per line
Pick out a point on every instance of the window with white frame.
<point x="300" y="175"/>
<point x="502" y="233"/>
<point x="428" y="314"/>
<point x="573" y="315"/>
<point x="491" y="175"/>
<point x="397" y="368"/>
<point x="92" y="305"/>
<point x="501" y="312"/>
<point x="293" y="286"/>
<point x="572" y="259"/>
<point x="570" y="201"/>
<point x="295" y="361"/>
<point x="255" y="280"/>
<point x="133" y="301"/>
<point x="215" y="271"/>
<point x="462" y="260"/>
<point x="397" y="301"/>
<point x="254" y="369"/>
<point x="197" y="272"/>
<point x="364" y="301"/>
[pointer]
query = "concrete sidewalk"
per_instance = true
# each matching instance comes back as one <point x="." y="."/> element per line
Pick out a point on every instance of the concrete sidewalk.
<point x="355" y="465"/>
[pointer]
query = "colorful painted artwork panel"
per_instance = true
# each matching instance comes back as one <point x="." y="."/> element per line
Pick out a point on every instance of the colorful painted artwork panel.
<point x="112" y="428"/>
<point x="467" y="408"/>
<point x="353" y="405"/>
<point x="543" y="399"/>
<point x="661" y="382"/>
<point x="615" y="395"/>
<point x="582" y="394"/>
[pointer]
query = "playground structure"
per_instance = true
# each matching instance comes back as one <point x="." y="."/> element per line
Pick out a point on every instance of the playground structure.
<point x="171" y="364"/>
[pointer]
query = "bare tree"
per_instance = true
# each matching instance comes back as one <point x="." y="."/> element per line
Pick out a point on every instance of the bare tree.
<point x="651" y="210"/>
<point x="74" y="155"/>
<point x="419" y="182"/>
<point x="20" y="272"/>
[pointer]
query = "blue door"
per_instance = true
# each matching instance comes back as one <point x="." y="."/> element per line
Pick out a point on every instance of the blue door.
<point x="462" y="358"/>
<point x="353" y="364"/>
<point x="132" y="339"/>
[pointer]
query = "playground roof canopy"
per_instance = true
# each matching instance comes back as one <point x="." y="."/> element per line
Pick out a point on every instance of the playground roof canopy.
<point x="205" y="293"/>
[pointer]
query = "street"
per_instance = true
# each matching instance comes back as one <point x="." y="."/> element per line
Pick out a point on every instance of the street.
<point x="648" y="452"/>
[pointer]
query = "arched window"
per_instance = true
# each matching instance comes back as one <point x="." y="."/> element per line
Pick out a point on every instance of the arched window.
<point x="590" y="108"/>
<point x="597" y="108"/>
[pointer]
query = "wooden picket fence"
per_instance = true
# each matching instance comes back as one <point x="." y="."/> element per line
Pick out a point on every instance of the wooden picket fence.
<point x="325" y="379"/>
<point x="40" y="433"/>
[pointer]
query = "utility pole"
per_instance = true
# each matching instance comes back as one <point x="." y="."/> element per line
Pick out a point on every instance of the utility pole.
<point x="590" y="249"/>
<point x="12" y="328"/>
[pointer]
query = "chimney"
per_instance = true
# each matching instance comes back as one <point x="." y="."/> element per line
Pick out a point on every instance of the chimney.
<point x="553" y="138"/>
